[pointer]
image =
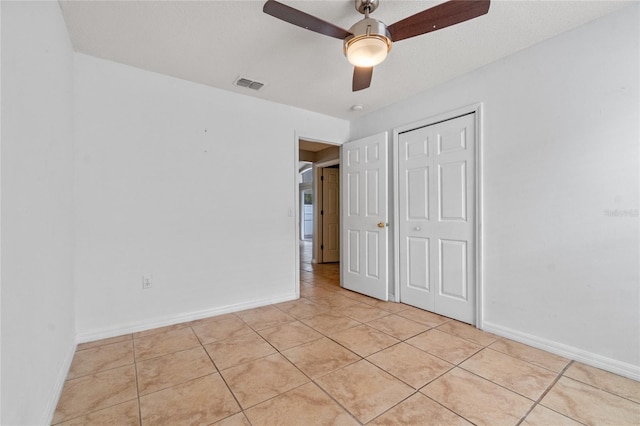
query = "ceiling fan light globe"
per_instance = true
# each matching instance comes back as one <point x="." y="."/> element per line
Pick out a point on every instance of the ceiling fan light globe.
<point x="367" y="51"/>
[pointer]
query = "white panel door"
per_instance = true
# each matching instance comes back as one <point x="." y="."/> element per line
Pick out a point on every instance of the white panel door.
<point x="364" y="174"/>
<point x="436" y="169"/>
<point x="330" y="215"/>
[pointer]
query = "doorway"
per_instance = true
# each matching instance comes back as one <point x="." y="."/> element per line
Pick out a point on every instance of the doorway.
<point x="318" y="201"/>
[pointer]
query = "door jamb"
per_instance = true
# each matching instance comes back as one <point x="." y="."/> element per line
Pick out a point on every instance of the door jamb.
<point x="473" y="108"/>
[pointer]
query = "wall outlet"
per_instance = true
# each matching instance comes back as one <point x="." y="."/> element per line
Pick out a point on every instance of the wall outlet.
<point x="147" y="281"/>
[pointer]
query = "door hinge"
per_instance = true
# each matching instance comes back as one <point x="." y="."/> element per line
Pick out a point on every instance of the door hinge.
<point x="322" y="177"/>
<point x="321" y="246"/>
<point x="322" y="212"/>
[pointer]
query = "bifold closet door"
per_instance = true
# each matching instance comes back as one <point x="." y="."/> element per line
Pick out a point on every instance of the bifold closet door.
<point x="436" y="169"/>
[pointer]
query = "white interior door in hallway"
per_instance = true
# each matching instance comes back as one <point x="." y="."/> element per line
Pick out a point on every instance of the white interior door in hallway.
<point x="436" y="178"/>
<point x="365" y="236"/>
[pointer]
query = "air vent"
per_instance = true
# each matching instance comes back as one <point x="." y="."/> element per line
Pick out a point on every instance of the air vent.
<point x="250" y="84"/>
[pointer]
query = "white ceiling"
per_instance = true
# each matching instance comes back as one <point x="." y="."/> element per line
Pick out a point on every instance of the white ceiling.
<point x="215" y="42"/>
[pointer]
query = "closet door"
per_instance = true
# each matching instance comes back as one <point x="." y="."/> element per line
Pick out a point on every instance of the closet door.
<point x="437" y="216"/>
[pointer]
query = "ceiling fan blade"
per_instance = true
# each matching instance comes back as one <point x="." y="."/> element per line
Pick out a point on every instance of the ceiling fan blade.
<point x="438" y="17"/>
<point x="361" y="78"/>
<point x="304" y="20"/>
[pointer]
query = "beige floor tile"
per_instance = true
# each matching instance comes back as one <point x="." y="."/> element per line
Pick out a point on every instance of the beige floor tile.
<point x="158" y="344"/>
<point x="262" y="379"/>
<point x="476" y="399"/>
<point x="542" y="416"/>
<point x="392" y="307"/>
<point x="288" y="335"/>
<point x="335" y="301"/>
<point x="306" y="405"/>
<point x="610" y="382"/>
<point x="532" y="355"/>
<point x="443" y="345"/>
<point x="311" y="292"/>
<point x="100" y="358"/>
<point x="264" y="317"/>
<point x="87" y="394"/>
<point x="409" y="364"/>
<point x="423" y="317"/>
<point x="125" y="414"/>
<point x="238" y="350"/>
<point x="238" y="419"/>
<point x="468" y="332"/>
<point x="161" y="330"/>
<point x="320" y="357"/>
<point x="363" y="312"/>
<point x="590" y="405"/>
<point x="169" y="370"/>
<point x="108" y="341"/>
<point x="200" y="401"/>
<point x="399" y="327"/>
<point x="364" y="340"/>
<point x="357" y="296"/>
<point x="514" y="374"/>
<point x="419" y="410"/>
<point x="330" y="322"/>
<point x="214" y="329"/>
<point x="301" y="308"/>
<point x="364" y="389"/>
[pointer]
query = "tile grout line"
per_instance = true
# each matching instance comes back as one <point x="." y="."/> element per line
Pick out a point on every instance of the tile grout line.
<point x="135" y="367"/>
<point x="595" y="386"/>
<point x="546" y="391"/>
<point x="219" y="372"/>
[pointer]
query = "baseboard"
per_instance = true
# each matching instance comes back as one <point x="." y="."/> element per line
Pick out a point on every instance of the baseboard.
<point x="614" y="366"/>
<point x="50" y="409"/>
<point x="120" y="329"/>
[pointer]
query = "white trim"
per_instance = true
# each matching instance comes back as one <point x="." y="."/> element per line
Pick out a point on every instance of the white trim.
<point x="316" y="250"/>
<point x="469" y="109"/>
<point x="395" y="149"/>
<point x="56" y="392"/>
<point x="614" y="366"/>
<point x="296" y="215"/>
<point x="119" y="330"/>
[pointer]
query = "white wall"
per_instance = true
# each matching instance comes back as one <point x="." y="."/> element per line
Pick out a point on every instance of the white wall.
<point x="168" y="174"/>
<point x="560" y="138"/>
<point x="38" y="331"/>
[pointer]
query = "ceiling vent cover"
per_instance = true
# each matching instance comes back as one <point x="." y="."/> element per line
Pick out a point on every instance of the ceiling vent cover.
<point x="250" y="84"/>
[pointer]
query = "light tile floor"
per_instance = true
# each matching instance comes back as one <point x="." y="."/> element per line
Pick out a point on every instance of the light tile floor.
<point x="334" y="357"/>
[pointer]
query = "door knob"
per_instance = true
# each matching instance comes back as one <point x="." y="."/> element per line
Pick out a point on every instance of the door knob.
<point x="381" y="225"/>
<point x="417" y="228"/>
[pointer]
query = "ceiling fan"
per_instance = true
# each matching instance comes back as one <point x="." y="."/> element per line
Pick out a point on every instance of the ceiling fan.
<point x="368" y="41"/>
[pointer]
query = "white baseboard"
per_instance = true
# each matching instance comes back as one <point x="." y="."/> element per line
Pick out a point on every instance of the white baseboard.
<point x="614" y="366"/>
<point x="56" y="392"/>
<point x="120" y="329"/>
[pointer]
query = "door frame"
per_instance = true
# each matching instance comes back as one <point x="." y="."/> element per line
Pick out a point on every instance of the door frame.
<point x="474" y="108"/>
